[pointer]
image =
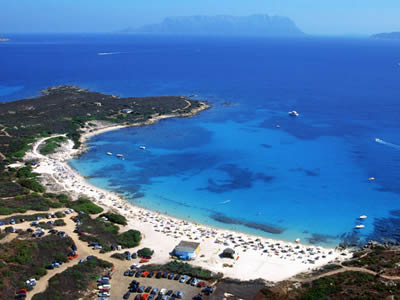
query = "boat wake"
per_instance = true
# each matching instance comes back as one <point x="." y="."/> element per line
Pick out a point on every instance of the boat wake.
<point x="225" y="202"/>
<point x="109" y="53"/>
<point x="387" y="144"/>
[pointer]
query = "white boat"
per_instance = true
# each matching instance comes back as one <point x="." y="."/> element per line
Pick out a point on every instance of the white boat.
<point x="293" y="113"/>
<point x="363" y="217"/>
<point x="378" y="140"/>
<point x="120" y="155"/>
<point x="142" y="147"/>
<point x="297" y="240"/>
<point x="359" y="226"/>
<point x="109" y="153"/>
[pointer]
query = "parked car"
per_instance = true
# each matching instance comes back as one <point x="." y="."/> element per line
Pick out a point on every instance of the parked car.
<point x="141" y="289"/>
<point x="177" y="276"/>
<point x="183" y="278"/>
<point x="207" y="291"/>
<point x="127" y="295"/>
<point x="126" y="273"/>
<point x="150" y="275"/>
<point x="148" y="289"/>
<point x="159" y="274"/>
<point x="165" y="275"/>
<point x="198" y="297"/>
<point x="169" y="293"/>
<point x="170" y="276"/>
<point x="155" y="291"/>
<point x="134" y="255"/>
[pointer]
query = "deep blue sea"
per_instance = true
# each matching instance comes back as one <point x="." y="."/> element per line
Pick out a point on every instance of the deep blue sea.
<point x="231" y="166"/>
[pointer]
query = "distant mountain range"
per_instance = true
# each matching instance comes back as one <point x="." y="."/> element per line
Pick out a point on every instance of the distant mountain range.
<point x="387" y="35"/>
<point x="254" y="25"/>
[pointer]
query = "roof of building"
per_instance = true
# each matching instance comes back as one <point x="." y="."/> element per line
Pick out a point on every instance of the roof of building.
<point x="185" y="246"/>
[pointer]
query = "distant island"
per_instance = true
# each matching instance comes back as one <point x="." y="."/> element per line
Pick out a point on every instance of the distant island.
<point x="254" y="25"/>
<point x="387" y="35"/>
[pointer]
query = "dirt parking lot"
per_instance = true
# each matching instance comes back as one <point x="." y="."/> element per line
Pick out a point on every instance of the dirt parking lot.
<point x="120" y="285"/>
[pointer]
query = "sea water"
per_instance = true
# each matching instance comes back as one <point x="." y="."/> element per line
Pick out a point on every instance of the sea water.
<point x="245" y="164"/>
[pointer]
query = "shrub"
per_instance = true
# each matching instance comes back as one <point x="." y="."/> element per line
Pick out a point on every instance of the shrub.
<point x="129" y="239"/>
<point x="115" y="218"/>
<point x="145" y="252"/>
<point x="120" y="256"/>
<point x="39" y="272"/>
<point x="85" y="206"/>
<point x="32" y="185"/>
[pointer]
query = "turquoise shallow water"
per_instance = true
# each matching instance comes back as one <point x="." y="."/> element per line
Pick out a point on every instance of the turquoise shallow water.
<point x="231" y="166"/>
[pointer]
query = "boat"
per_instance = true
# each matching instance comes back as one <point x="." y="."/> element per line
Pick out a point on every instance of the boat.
<point x="297" y="240"/>
<point x="142" y="147"/>
<point x="359" y="226"/>
<point x="378" y="140"/>
<point x="293" y="113"/>
<point x="120" y="155"/>
<point x="109" y="153"/>
<point x="371" y="178"/>
<point x="363" y="217"/>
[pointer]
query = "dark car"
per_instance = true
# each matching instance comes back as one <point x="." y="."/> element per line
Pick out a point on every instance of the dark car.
<point x="134" y="255"/>
<point x="148" y="289"/>
<point x="131" y="273"/>
<point x="20" y="296"/>
<point x="138" y="297"/>
<point x="159" y="297"/>
<point x="159" y="274"/>
<point x="154" y="291"/>
<point x="141" y="289"/>
<point x="177" y="276"/>
<point x="151" y="274"/>
<point x="133" y="289"/>
<point x="126" y="273"/>
<point x="190" y="280"/>
<point x="198" y="297"/>
<point x="169" y="293"/>
<point x="207" y="291"/>
<point x="165" y="275"/>
<point x="170" y="276"/>
<point x="138" y="273"/>
<point x="127" y="294"/>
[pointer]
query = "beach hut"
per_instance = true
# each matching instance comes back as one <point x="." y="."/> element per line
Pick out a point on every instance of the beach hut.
<point x="187" y="250"/>
<point x="228" y="253"/>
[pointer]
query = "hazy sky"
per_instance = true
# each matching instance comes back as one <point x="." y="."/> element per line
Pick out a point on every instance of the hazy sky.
<point x="312" y="16"/>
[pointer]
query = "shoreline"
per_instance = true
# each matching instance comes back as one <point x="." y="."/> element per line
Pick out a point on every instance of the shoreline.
<point x="257" y="256"/>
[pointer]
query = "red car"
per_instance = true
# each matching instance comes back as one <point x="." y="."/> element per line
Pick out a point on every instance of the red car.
<point x="144" y="260"/>
<point x="145" y="274"/>
<point x="21" y="291"/>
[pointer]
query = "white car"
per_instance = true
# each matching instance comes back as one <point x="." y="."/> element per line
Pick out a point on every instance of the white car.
<point x="104" y="294"/>
<point x="163" y="291"/>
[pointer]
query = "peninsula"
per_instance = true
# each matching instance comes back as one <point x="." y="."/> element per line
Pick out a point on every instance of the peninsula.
<point x="387" y="36"/>
<point x="51" y="215"/>
<point x="254" y="25"/>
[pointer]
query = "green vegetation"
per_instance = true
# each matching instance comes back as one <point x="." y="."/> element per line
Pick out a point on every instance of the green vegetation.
<point x="129" y="239"/>
<point x="115" y="218"/>
<point x="24" y="259"/>
<point x="84" y="205"/>
<point x="145" y="252"/>
<point x="73" y="283"/>
<point x="185" y="268"/>
<point x="106" y="233"/>
<point x="52" y="144"/>
<point x="120" y="256"/>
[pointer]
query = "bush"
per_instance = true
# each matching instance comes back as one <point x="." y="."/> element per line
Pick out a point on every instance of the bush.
<point x="32" y="185"/>
<point x="85" y="206"/>
<point x="39" y="272"/>
<point x="120" y="256"/>
<point x="145" y="252"/>
<point x="59" y="222"/>
<point x="115" y="218"/>
<point x="129" y="239"/>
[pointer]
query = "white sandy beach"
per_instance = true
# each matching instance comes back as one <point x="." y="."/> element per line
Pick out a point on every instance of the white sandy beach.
<point x="256" y="257"/>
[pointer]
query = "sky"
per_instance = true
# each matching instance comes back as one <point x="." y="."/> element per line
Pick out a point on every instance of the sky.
<point x="320" y="17"/>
